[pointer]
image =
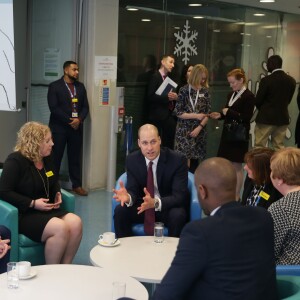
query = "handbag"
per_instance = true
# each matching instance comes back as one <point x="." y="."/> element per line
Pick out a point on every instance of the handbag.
<point x="235" y="132"/>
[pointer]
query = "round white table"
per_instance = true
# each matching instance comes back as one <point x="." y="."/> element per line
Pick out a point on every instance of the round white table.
<point x="137" y="256"/>
<point x="76" y="282"/>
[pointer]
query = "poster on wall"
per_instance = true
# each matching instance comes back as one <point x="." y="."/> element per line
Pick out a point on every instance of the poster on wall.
<point x="104" y="91"/>
<point x="105" y="67"/>
<point x="52" y="64"/>
<point x="7" y="57"/>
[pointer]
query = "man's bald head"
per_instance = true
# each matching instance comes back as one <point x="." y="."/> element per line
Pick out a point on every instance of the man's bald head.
<point x="148" y="128"/>
<point x="215" y="181"/>
<point x="149" y="141"/>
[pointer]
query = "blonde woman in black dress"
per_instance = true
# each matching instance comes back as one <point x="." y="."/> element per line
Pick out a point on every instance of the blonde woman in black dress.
<point x="239" y="107"/>
<point x="29" y="183"/>
<point x="192" y="107"/>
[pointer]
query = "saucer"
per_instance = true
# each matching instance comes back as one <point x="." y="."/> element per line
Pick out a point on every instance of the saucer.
<point x="32" y="274"/>
<point x="117" y="243"/>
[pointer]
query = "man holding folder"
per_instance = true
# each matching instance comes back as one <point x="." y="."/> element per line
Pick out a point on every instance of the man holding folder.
<point x="161" y="101"/>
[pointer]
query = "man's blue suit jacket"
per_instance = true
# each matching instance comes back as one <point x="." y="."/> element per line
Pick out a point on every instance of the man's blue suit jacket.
<point x="226" y="256"/>
<point x="59" y="102"/>
<point x="172" y="178"/>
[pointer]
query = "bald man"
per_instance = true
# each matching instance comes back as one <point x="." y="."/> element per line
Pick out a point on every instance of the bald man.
<point x="170" y="199"/>
<point x="228" y="255"/>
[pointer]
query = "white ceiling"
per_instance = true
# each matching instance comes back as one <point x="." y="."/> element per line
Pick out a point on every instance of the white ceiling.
<point x="289" y="6"/>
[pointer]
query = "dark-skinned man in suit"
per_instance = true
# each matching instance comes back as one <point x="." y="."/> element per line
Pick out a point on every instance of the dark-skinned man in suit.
<point x="228" y="255"/>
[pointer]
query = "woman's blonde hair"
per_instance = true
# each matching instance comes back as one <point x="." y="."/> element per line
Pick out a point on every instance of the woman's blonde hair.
<point x="29" y="139"/>
<point x="195" y="78"/>
<point x="238" y="74"/>
<point x="285" y="165"/>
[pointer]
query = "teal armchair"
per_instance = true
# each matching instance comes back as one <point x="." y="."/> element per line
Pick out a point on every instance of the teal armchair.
<point x="288" y="287"/>
<point x="23" y="248"/>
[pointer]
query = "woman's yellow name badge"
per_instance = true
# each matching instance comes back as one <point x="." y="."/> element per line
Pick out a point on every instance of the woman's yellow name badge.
<point x="74" y="100"/>
<point x="264" y="195"/>
<point x="49" y="174"/>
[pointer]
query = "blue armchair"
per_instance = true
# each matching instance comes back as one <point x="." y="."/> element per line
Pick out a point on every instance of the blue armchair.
<point x="23" y="248"/>
<point x="195" y="209"/>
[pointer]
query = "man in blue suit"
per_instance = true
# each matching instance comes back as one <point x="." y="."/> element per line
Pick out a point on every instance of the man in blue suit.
<point x="170" y="198"/>
<point x="68" y="104"/>
<point x="228" y="255"/>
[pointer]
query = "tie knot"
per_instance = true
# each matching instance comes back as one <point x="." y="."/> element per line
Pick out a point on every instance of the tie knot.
<point x="150" y="164"/>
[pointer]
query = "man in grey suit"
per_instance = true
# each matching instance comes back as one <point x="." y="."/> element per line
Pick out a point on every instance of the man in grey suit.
<point x="272" y="99"/>
<point x="228" y="255"/>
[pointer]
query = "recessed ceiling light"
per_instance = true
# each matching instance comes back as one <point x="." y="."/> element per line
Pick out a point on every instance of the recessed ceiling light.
<point x="132" y="9"/>
<point x="146" y="20"/>
<point x="195" y="4"/>
<point x="259" y="15"/>
<point x="266" y="1"/>
<point x="198" y="17"/>
<point x="268" y="36"/>
<point x="217" y="30"/>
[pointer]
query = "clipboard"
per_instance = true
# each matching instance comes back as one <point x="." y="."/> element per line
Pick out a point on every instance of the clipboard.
<point x="167" y="86"/>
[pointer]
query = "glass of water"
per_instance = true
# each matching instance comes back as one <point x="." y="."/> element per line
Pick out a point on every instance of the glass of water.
<point x="158" y="232"/>
<point x="12" y="275"/>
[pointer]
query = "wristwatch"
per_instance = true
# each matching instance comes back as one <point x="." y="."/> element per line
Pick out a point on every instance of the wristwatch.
<point x="156" y="203"/>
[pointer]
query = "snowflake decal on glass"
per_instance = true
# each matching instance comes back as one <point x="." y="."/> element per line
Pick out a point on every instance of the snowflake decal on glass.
<point x="185" y="43"/>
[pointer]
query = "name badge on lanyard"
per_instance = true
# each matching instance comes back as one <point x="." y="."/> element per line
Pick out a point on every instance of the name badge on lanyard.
<point x="74" y="101"/>
<point x="193" y="103"/>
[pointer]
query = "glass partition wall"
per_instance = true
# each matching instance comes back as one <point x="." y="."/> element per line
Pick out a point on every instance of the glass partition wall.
<point x="221" y="36"/>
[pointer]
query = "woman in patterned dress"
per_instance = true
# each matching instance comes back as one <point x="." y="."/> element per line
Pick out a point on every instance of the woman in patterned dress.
<point x="285" y="176"/>
<point x="192" y="107"/>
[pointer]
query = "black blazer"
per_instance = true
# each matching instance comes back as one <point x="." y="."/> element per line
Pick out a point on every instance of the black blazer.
<point x="274" y="94"/>
<point x="228" y="256"/>
<point x="20" y="181"/>
<point x="158" y="105"/>
<point x="59" y="102"/>
<point x="172" y="178"/>
<point x="269" y="189"/>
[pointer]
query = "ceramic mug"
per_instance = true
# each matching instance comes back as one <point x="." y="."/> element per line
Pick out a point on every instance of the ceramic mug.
<point x="107" y="238"/>
<point x="24" y="268"/>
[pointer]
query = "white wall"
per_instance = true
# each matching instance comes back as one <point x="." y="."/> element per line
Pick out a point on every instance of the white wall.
<point x="100" y="38"/>
<point x="10" y="122"/>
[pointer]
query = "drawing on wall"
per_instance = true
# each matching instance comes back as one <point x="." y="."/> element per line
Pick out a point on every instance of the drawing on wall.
<point x="7" y="57"/>
<point x="185" y="43"/>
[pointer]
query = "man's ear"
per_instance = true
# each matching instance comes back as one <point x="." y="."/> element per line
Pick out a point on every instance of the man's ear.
<point x="202" y="191"/>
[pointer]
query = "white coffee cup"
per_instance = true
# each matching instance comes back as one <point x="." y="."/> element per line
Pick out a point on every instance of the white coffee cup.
<point x="24" y="268"/>
<point x="107" y="238"/>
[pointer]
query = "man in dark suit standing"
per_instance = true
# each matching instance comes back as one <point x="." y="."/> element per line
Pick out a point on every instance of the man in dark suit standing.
<point x="68" y="104"/>
<point x="170" y="197"/>
<point x="228" y="255"/>
<point x="162" y="106"/>
<point x="272" y="100"/>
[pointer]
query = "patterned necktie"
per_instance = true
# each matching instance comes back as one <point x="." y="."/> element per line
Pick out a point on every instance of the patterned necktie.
<point x="149" y="218"/>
